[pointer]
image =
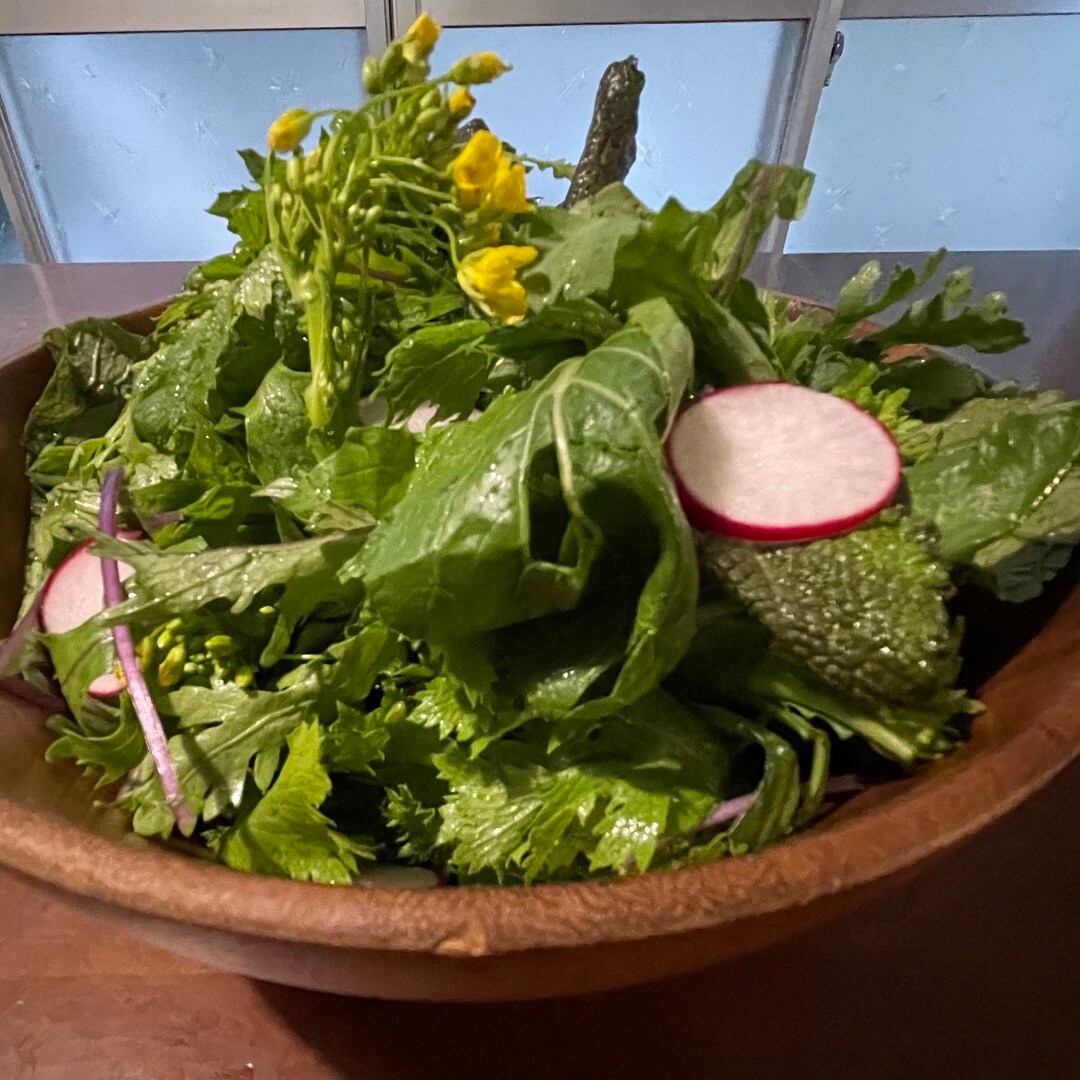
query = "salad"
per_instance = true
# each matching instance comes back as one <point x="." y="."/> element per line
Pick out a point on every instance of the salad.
<point x="432" y="526"/>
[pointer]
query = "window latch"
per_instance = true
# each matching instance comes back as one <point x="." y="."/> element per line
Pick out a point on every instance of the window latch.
<point x="835" y="54"/>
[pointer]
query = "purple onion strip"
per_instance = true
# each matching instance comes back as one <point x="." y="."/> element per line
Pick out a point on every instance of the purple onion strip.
<point x="159" y="521"/>
<point x="137" y="689"/>
<point x="845" y="784"/>
<point x="728" y="811"/>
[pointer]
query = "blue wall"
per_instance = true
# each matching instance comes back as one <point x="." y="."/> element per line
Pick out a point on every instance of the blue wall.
<point x="128" y="137"/>
<point x="955" y="132"/>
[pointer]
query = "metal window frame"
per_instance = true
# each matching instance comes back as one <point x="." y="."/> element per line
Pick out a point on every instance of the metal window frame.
<point x="610" y="12"/>
<point x="146" y="16"/>
<point x="383" y="19"/>
<point x="115" y="16"/>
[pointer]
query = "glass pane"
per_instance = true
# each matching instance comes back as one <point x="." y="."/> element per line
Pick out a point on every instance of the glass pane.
<point x="955" y="132"/>
<point x="10" y="252"/>
<point x="715" y="95"/>
<point x="127" y="137"/>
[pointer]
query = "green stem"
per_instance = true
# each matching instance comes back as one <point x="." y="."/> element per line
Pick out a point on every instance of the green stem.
<point x="365" y="299"/>
<point x="422" y="166"/>
<point x="319" y="310"/>
<point x="400" y="91"/>
<point x="408" y="185"/>
<point x="343" y="279"/>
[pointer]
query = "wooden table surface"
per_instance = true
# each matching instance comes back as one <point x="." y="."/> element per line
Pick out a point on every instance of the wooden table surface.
<point x="970" y="971"/>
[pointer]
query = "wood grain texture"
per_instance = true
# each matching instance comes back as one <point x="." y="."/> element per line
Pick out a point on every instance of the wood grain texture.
<point x="498" y="944"/>
<point x="967" y="972"/>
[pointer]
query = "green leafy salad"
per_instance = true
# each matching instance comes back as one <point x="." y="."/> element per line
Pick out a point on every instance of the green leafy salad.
<point x="376" y="549"/>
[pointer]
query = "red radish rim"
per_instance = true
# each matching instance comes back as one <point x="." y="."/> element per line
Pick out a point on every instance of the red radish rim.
<point x="707" y="519"/>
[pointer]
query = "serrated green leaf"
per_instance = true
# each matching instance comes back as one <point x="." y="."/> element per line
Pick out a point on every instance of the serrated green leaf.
<point x="114" y="753"/>
<point x="857" y="300"/>
<point x="996" y="461"/>
<point x="224" y="730"/>
<point x="284" y="833"/>
<point x="597" y="805"/>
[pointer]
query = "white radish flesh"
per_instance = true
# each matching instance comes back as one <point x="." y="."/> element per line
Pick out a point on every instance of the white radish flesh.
<point x="105" y="686"/>
<point x="74" y="592"/>
<point x="779" y="463"/>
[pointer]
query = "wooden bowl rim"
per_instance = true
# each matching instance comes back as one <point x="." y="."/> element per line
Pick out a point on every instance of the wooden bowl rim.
<point x="935" y="809"/>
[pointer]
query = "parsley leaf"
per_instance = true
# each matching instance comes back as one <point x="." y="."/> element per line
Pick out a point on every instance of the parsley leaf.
<point x="284" y="833"/>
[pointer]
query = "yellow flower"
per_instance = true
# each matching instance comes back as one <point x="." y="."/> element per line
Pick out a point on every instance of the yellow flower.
<point x="424" y="32"/>
<point x="461" y="103"/>
<point x="488" y="277"/>
<point x="507" y="191"/>
<point x="289" y="130"/>
<point x="481" y="67"/>
<point x="474" y="169"/>
<point x="484" y="175"/>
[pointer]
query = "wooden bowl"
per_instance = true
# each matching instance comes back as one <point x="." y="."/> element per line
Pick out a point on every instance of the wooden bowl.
<point x="483" y="944"/>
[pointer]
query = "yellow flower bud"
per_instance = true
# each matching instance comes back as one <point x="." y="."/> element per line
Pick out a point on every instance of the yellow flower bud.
<point x="289" y="130"/>
<point x="424" y="32"/>
<point x="461" y="103"/>
<point x="488" y="277"/>
<point x="481" y="67"/>
<point x="474" y="169"/>
<point x="369" y="75"/>
<point x="171" y="669"/>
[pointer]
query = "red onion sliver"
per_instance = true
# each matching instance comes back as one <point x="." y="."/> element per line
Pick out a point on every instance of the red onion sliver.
<point x="729" y="810"/>
<point x="845" y="784"/>
<point x="137" y="689"/>
<point x="159" y="521"/>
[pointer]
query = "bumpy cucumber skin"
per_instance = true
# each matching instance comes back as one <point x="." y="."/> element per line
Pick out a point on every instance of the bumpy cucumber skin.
<point x="865" y="611"/>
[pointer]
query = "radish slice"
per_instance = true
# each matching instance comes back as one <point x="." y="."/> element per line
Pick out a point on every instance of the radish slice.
<point x="106" y="687"/>
<point x="74" y="591"/>
<point x="778" y="463"/>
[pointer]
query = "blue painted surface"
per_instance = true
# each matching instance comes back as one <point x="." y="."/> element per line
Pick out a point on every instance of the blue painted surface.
<point x="956" y="132"/>
<point x="9" y="245"/>
<point x="128" y="137"/>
